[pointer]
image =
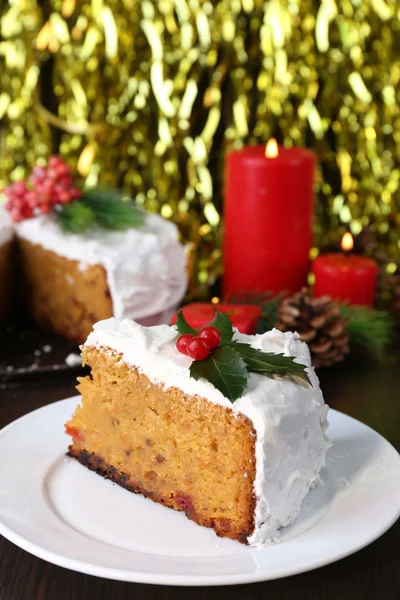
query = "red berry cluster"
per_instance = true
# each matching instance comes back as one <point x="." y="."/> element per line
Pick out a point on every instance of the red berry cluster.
<point x="199" y="347"/>
<point x="50" y="186"/>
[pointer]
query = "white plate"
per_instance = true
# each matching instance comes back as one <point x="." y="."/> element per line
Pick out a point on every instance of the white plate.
<point x="58" y="510"/>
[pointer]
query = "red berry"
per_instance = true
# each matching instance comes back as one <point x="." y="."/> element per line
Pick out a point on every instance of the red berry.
<point x="63" y="170"/>
<point x="54" y="161"/>
<point x="16" y="215"/>
<point x="38" y="174"/>
<point x="27" y="213"/>
<point x="31" y="199"/>
<point x="211" y="336"/>
<point x="63" y="197"/>
<point x="182" y="342"/>
<point x="52" y="174"/>
<point x="47" y="186"/>
<point x="197" y="349"/>
<point x="65" y="181"/>
<point x="19" y="188"/>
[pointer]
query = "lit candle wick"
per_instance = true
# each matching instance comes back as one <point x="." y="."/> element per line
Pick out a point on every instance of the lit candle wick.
<point x="347" y="243"/>
<point x="271" y="149"/>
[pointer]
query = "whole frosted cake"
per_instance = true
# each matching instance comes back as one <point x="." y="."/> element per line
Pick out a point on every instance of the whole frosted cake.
<point x="137" y="273"/>
<point x="242" y="468"/>
<point x="87" y="254"/>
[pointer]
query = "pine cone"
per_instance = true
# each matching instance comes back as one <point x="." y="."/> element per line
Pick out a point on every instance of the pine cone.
<point x="319" y="323"/>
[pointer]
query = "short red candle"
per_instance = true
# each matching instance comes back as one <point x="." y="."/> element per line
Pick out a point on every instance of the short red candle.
<point x="268" y="209"/>
<point x="243" y="316"/>
<point x="350" y="278"/>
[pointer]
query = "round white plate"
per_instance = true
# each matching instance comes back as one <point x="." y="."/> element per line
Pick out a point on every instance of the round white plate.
<point x="58" y="510"/>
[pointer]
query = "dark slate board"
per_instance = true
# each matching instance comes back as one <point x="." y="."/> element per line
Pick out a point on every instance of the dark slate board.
<point x="26" y="351"/>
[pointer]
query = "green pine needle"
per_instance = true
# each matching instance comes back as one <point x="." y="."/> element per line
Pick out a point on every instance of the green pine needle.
<point x="368" y="328"/>
<point x="75" y="217"/>
<point x="105" y="207"/>
<point x="112" y="210"/>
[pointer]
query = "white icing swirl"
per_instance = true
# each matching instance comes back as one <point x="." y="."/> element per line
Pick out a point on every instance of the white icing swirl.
<point x="146" y="267"/>
<point x="289" y="417"/>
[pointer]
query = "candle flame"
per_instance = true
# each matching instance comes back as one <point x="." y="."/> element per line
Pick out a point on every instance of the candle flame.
<point x="347" y="242"/>
<point x="215" y="300"/>
<point x="271" y="149"/>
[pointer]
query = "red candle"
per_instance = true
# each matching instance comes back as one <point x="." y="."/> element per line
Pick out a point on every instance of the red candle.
<point x="268" y="209"/>
<point x="346" y="277"/>
<point x="242" y="316"/>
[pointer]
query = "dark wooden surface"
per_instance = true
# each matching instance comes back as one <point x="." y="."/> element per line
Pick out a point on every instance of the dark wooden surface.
<point x="367" y="391"/>
<point x="27" y="352"/>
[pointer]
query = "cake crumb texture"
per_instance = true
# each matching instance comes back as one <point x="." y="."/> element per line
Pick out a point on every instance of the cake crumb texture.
<point x="61" y="296"/>
<point x="181" y="451"/>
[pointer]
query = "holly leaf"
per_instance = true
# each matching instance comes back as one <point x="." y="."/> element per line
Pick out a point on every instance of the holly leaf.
<point x="183" y="326"/>
<point x="267" y="363"/>
<point x="224" y="326"/>
<point x="225" y="370"/>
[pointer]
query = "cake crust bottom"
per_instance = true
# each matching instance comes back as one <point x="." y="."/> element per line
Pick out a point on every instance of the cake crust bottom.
<point x="181" y="502"/>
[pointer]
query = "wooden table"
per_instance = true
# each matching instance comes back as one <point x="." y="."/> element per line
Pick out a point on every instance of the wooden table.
<point x="366" y="390"/>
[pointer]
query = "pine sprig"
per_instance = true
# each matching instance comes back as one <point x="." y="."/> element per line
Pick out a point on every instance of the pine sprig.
<point x="75" y="217"/>
<point x="105" y="207"/>
<point x="368" y="328"/>
<point x="228" y="366"/>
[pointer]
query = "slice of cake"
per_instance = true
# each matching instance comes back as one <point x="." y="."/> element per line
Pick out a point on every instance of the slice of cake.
<point x="6" y="263"/>
<point x="242" y="468"/>
<point x="74" y="280"/>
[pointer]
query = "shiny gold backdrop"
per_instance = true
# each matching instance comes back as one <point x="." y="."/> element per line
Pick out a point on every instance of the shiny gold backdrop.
<point x="150" y="95"/>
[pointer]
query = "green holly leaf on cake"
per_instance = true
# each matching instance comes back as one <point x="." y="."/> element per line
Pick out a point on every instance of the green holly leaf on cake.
<point x="183" y="326"/>
<point x="224" y="326"/>
<point x="228" y="365"/>
<point x="225" y="369"/>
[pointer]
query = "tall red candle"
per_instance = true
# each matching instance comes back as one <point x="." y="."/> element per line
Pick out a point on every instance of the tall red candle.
<point x="268" y="209"/>
<point x="344" y="276"/>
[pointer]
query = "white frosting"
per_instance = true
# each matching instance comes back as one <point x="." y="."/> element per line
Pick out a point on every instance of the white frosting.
<point x="146" y="267"/>
<point x="289" y="417"/>
<point x="6" y="229"/>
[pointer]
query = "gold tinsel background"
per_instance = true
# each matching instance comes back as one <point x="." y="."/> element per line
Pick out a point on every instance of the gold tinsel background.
<point x="149" y="95"/>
